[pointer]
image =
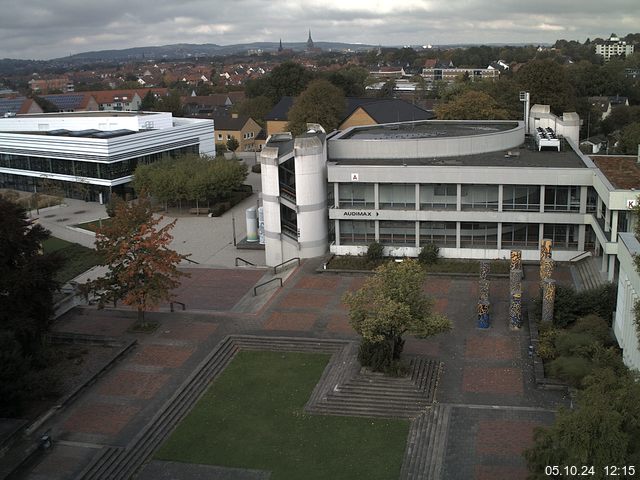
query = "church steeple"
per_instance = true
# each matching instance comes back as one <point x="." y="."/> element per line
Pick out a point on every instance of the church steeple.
<point x="309" y="41"/>
<point x="280" y="47"/>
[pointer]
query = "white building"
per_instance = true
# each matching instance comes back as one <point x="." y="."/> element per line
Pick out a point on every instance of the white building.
<point x="613" y="47"/>
<point x="97" y="151"/>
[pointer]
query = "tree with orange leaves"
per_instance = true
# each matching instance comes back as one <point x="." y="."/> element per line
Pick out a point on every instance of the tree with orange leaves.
<point x="143" y="270"/>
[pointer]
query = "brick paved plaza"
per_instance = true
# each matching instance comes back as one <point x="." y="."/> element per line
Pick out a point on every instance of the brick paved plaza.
<point x="486" y="378"/>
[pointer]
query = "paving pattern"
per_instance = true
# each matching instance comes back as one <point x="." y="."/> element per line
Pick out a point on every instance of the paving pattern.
<point x="474" y="426"/>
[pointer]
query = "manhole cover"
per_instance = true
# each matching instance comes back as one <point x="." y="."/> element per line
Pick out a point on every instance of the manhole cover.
<point x="49" y="216"/>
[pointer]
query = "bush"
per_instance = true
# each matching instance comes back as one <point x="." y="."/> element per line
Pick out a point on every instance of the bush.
<point x="256" y="168"/>
<point x="595" y="326"/>
<point x="570" y="343"/>
<point x="546" y="349"/>
<point x="429" y="254"/>
<point x="375" y="252"/>
<point x="570" y="305"/>
<point x="571" y="369"/>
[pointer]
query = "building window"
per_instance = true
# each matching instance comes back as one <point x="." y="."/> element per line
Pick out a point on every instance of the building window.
<point x="521" y="198"/>
<point x="478" y="235"/>
<point x="397" y="233"/>
<point x="397" y="196"/>
<point x="358" y="195"/>
<point x="564" y="237"/>
<point x="442" y="234"/>
<point x="520" y="235"/>
<point x="357" y="232"/>
<point x="228" y="137"/>
<point x="479" y="197"/>
<point x="438" y="196"/>
<point x="219" y="136"/>
<point x="562" y="199"/>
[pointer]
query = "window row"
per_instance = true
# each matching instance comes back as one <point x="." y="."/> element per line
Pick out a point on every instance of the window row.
<point x="444" y="196"/>
<point x="78" y="168"/>
<point x="443" y="234"/>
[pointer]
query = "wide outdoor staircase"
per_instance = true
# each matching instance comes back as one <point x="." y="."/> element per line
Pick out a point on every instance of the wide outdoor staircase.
<point x="369" y="394"/>
<point x="426" y="445"/>
<point x="586" y="273"/>
<point x="120" y="463"/>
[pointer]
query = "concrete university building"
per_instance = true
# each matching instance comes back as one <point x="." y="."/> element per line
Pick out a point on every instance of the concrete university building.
<point x="476" y="189"/>
<point x="92" y="154"/>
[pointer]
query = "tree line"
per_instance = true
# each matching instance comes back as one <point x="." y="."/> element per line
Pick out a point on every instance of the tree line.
<point x="190" y="178"/>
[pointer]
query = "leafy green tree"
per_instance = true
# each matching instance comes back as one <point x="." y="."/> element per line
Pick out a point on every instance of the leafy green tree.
<point x="171" y="103"/>
<point x="233" y="144"/>
<point x="390" y="304"/>
<point x="471" y="105"/>
<point x="142" y="269"/>
<point x="149" y="102"/>
<point x="322" y="102"/>
<point x="603" y="430"/>
<point x="287" y="79"/>
<point x="388" y="89"/>
<point x="27" y="286"/>
<point x="548" y="83"/>
<point x="351" y="80"/>
<point x="256" y="108"/>
<point x="630" y="139"/>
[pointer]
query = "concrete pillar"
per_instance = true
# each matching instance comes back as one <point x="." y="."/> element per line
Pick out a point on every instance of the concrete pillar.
<point x="546" y="270"/>
<point x="376" y="196"/>
<point x="500" y="200"/>
<point x="583" y="199"/>
<point x="336" y="195"/>
<point x="499" y="235"/>
<point x="605" y="259"/>
<point x="612" y="268"/>
<point x="417" y="234"/>
<point x="582" y="234"/>
<point x="540" y="233"/>
<point x="541" y="201"/>
<point x="377" y="230"/>
<point x="614" y="225"/>
<point x="458" y="234"/>
<point x="459" y="198"/>
<point x="607" y="220"/>
<point x="598" y="208"/>
<point x="417" y="194"/>
<point x="337" y="231"/>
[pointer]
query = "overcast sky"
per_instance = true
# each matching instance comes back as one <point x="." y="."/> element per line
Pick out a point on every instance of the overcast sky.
<point x="43" y="29"/>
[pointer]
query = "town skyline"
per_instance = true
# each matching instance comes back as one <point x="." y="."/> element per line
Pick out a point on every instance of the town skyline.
<point x="39" y="30"/>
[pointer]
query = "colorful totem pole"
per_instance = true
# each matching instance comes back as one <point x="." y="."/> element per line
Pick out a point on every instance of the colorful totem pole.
<point x="483" y="296"/>
<point x="515" y="289"/>
<point x="546" y="263"/>
<point x="548" y="300"/>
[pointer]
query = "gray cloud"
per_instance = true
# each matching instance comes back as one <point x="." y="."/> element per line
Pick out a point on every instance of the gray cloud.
<point x="47" y="29"/>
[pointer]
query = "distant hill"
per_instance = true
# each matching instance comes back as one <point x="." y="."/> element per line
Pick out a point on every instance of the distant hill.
<point x="188" y="50"/>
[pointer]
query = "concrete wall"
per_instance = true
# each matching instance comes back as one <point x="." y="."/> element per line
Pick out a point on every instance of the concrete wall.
<point x="628" y="293"/>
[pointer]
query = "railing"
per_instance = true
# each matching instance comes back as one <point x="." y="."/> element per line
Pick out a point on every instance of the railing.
<point x="246" y="262"/>
<point x="255" y="289"/>
<point x="192" y="261"/>
<point x="294" y="259"/>
<point x="580" y="256"/>
<point x="184" y="307"/>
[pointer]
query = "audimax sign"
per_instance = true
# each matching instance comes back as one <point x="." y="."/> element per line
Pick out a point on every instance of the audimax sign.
<point x="359" y="213"/>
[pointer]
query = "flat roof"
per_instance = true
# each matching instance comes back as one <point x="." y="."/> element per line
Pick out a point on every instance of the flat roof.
<point x="525" y="156"/>
<point x="99" y="113"/>
<point x="430" y="129"/>
<point x="623" y="172"/>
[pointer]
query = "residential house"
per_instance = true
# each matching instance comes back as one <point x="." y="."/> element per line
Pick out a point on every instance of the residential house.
<point x="46" y="85"/>
<point x="18" y="106"/>
<point x="73" y="102"/>
<point x="242" y="128"/>
<point x="606" y="104"/>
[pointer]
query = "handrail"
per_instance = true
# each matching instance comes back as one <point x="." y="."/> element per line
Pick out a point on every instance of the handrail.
<point x="247" y="262"/>
<point x="255" y="289"/>
<point x="285" y="262"/>
<point x="184" y="307"/>
<point x="192" y="261"/>
<point x="585" y="254"/>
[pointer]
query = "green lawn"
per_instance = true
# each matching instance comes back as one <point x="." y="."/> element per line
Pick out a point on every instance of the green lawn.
<point x="76" y="258"/>
<point x="93" y="225"/>
<point x="252" y="417"/>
